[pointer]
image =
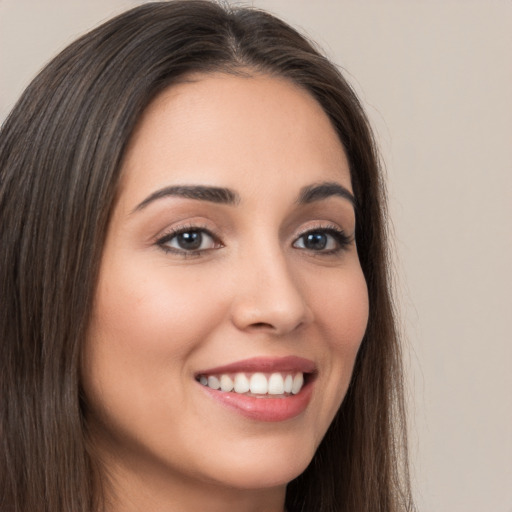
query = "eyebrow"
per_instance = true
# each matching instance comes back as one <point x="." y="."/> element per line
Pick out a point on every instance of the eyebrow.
<point x="218" y="195"/>
<point x="221" y="195"/>
<point x="320" y="191"/>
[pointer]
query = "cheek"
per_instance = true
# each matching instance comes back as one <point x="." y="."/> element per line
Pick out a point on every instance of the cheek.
<point x="154" y="313"/>
<point x="342" y="311"/>
<point x="342" y="314"/>
<point x="144" y="328"/>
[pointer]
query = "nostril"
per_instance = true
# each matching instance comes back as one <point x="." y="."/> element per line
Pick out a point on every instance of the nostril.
<point x="262" y="325"/>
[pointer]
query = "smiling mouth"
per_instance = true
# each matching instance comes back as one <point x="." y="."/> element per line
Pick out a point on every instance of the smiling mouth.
<point x="260" y="377"/>
<point x="257" y="384"/>
<point x="266" y="389"/>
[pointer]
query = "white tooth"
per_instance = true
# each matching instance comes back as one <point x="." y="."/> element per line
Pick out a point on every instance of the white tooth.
<point x="241" y="383"/>
<point x="259" y="384"/>
<point x="203" y="380"/>
<point x="288" y="384"/>
<point x="213" y="382"/>
<point x="226" y="384"/>
<point x="276" y="384"/>
<point x="298" y="381"/>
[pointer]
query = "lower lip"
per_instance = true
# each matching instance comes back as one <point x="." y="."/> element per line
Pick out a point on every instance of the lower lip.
<point x="264" y="409"/>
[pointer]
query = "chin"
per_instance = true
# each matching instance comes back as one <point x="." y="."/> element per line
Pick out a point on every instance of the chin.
<point x="263" y="468"/>
<point x="277" y="474"/>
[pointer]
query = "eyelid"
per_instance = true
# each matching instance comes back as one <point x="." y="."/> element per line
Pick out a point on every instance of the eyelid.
<point x="339" y="235"/>
<point x="174" y="231"/>
<point x="342" y="239"/>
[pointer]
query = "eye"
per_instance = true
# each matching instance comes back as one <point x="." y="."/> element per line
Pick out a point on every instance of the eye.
<point x="188" y="240"/>
<point x="324" y="240"/>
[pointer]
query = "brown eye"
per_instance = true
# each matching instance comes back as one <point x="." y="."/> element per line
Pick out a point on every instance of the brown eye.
<point x="188" y="241"/>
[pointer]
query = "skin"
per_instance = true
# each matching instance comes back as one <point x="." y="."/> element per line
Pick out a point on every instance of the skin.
<point x="255" y="289"/>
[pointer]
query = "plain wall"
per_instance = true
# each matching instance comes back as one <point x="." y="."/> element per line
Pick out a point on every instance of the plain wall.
<point x="436" y="79"/>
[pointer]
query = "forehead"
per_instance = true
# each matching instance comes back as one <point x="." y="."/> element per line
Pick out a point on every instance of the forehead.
<point x="237" y="131"/>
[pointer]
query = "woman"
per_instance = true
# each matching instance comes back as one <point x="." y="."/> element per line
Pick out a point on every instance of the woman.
<point x="196" y="309"/>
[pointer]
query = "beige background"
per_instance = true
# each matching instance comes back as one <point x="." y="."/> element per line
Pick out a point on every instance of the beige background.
<point x="436" y="77"/>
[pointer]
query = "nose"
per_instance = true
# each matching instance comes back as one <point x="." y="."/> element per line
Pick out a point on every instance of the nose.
<point x="269" y="297"/>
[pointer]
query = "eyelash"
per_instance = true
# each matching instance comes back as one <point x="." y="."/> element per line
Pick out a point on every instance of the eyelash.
<point x="174" y="232"/>
<point x="341" y="239"/>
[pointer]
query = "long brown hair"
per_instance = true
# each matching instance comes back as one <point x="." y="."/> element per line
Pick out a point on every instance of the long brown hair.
<point x="61" y="150"/>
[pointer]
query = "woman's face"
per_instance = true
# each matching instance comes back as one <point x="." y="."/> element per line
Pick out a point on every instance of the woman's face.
<point x="230" y="260"/>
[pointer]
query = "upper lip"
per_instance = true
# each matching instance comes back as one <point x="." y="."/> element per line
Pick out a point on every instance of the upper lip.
<point x="265" y="365"/>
